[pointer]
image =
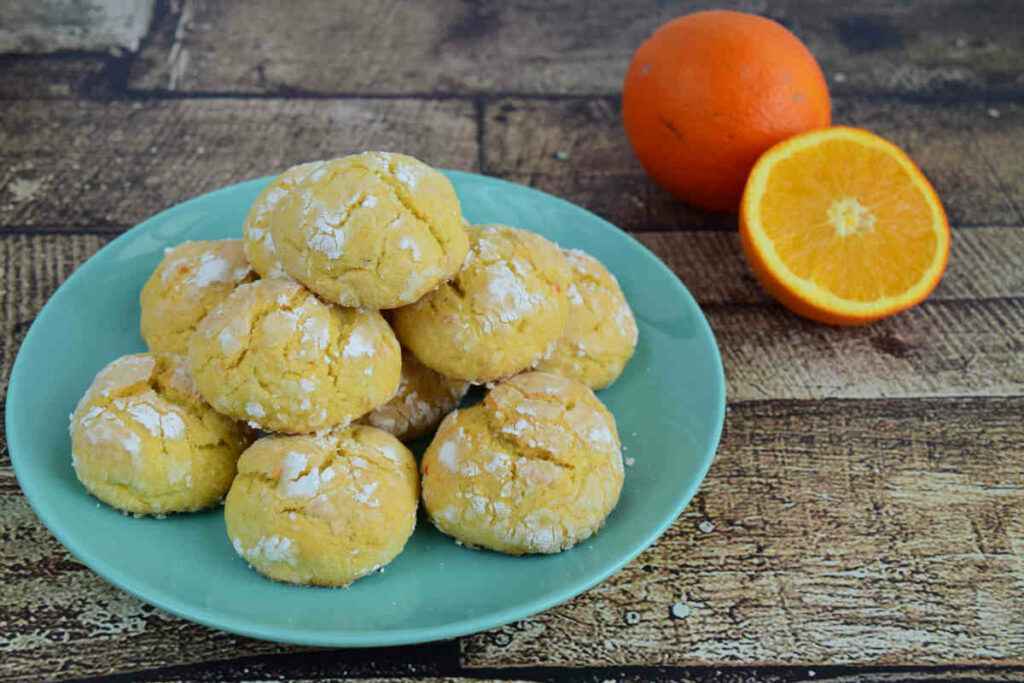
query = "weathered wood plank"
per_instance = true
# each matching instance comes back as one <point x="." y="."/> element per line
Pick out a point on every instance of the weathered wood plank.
<point x="917" y="675"/>
<point x="966" y="340"/>
<point x="266" y="669"/>
<point x="23" y="77"/>
<point x="119" y="162"/>
<point x="31" y="267"/>
<point x="110" y="630"/>
<point x="395" y="47"/>
<point x="558" y="48"/>
<point x="926" y="496"/>
<point x="667" y="674"/>
<point x="755" y="563"/>
<point x="868" y="532"/>
<point x="98" y="25"/>
<point x="986" y="263"/>
<point x="91" y="164"/>
<point x="968" y="348"/>
<point x="419" y="679"/>
<point x="577" y="149"/>
<point x="61" y="621"/>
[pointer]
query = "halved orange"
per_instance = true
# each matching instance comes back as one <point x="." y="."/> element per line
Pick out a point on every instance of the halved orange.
<point x="842" y="227"/>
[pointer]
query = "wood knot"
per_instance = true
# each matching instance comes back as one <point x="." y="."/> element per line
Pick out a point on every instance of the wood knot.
<point x="891" y="345"/>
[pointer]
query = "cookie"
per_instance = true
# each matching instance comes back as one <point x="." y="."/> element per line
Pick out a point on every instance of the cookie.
<point x="373" y="230"/>
<point x="323" y="510"/>
<point x="144" y="441"/>
<point x="257" y="238"/>
<point x="535" y="468"/>
<point x="276" y="356"/>
<point x="601" y="334"/>
<point x="423" y="398"/>
<point x="501" y="314"/>
<point x="192" y="278"/>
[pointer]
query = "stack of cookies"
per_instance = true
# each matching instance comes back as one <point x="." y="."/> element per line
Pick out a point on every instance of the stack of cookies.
<point x="286" y="369"/>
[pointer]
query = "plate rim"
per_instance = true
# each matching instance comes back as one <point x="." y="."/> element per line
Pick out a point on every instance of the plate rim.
<point x="110" y="573"/>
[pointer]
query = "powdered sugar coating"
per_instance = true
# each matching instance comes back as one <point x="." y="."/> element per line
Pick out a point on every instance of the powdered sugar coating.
<point x="144" y="441"/>
<point x="214" y="269"/>
<point x="601" y="334"/>
<point x="257" y="236"/>
<point x="409" y="244"/>
<point x="268" y="549"/>
<point x="500" y="314"/>
<point x="447" y="455"/>
<point x="275" y="355"/>
<point x="191" y="279"/>
<point x="373" y="230"/>
<point x="535" y="468"/>
<point x="342" y="504"/>
<point x="507" y="294"/>
<point x="326" y="238"/>
<point x="360" y="343"/>
<point x="422" y="399"/>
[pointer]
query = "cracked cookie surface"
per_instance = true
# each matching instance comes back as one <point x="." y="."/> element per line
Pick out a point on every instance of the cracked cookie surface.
<point x="499" y="316"/>
<point x="373" y="230"/>
<point x="257" y="238"/>
<point x="144" y="441"/>
<point x="276" y="356"/>
<point x="423" y="398"/>
<point x="601" y="334"/>
<point x="323" y="510"/>
<point x="535" y="468"/>
<point x="192" y="278"/>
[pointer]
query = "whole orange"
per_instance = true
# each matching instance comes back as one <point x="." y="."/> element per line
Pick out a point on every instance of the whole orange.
<point x="709" y="92"/>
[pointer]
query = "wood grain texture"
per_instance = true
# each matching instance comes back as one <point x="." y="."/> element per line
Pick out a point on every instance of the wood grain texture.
<point x="96" y="25"/>
<point x="116" y="163"/>
<point x="577" y="150"/>
<point x="866" y="534"/>
<point x="965" y="341"/>
<point x="86" y="164"/>
<point x="860" y="532"/>
<point x="936" y="349"/>
<point x="963" y="674"/>
<point x="62" y="621"/>
<point x="59" y="621"/>
<point x="31" y="267"/>
<point x="23" y="76"/>
<point x="251" y="674"/>
<point x="904" y="675"/>
<point x="771" y="567"/>
<point x="985" y="263"/>
<point x="649" y="675"/>
<point x="559" y="47"/>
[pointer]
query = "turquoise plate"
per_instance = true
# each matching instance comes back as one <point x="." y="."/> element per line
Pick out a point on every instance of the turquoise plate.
<point x="669" y="404"/>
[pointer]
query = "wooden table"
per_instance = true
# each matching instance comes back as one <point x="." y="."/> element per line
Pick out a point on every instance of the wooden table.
<point x="864" y="518"/>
